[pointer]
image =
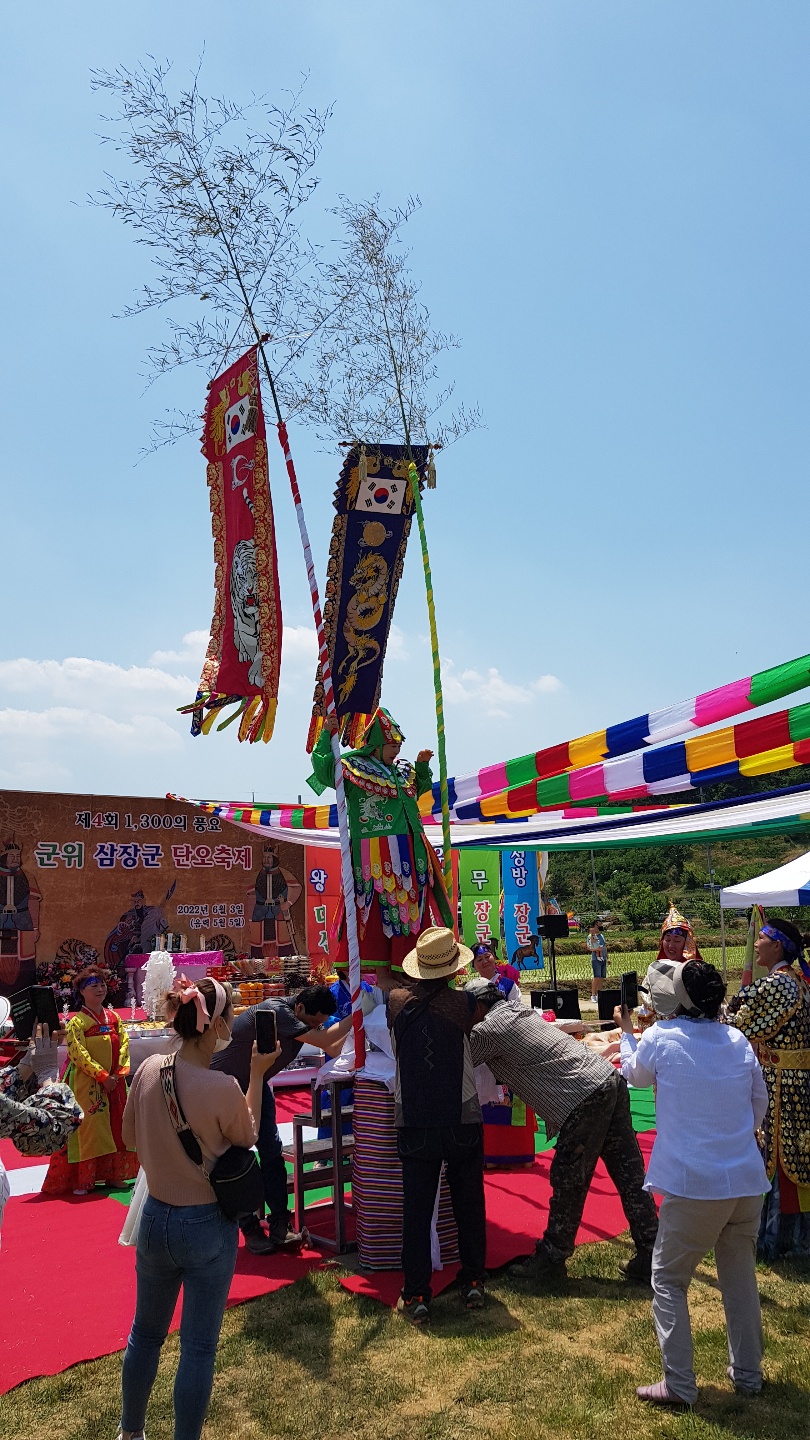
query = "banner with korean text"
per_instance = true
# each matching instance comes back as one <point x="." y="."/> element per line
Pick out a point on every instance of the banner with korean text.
<point x="521" y="904"/>
<point x="479" y="878"/>
<point x="322" y="883"/>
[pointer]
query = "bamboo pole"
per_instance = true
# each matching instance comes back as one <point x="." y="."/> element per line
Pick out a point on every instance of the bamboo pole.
<point x="447" y="865"/>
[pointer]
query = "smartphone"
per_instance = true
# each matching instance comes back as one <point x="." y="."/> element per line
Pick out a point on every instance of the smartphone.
<point x="629" y="984"/>
<point x="265" y="1031"/>
<point x="31" y="1007"/>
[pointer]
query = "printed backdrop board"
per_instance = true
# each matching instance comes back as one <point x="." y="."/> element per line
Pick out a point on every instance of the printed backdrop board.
<point x="107" y="874"/>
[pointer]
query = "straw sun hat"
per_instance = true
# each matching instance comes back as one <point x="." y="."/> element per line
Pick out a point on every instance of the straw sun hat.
<point x="437" y="955"/>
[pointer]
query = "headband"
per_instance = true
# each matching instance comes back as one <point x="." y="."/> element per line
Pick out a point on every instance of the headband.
<point x="774" y="933"/>
<point x="791" y="949"/>
<point x="189" y="993"/>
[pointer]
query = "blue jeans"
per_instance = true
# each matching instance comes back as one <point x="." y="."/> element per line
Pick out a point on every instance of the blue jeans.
<point x="192" y="1246"/>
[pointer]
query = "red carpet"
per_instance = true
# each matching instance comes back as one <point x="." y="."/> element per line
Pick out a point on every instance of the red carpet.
<point x="517" y="1206"/>
<point x="68" y="1287"/>
<point x="13" y="1160"/>
<point x="290" y="1101"/>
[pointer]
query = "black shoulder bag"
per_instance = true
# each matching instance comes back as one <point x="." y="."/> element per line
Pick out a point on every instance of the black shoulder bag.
<point x="235" y="1177"/>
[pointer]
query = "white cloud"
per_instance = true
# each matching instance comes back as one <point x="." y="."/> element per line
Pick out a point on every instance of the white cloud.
<point x="195" y="644"/>
<point x="82" y="724"/>
<point x="490" y="693"/>
<point x="61" y="722"/>
<point x="299" y="646"/>
<point x="95" y="684"/>
<point x="41" y="749"/>
<point x="397" y="645"/>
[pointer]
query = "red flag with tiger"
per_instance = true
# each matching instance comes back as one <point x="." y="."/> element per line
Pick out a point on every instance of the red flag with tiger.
<point x="244" y="654"/>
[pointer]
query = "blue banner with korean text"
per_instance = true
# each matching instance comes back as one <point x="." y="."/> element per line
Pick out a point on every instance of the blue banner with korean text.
<point x="521" y="906"/>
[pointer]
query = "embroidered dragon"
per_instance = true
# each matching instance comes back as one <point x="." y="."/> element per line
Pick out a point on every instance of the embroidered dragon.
<point x="363" y="612"/>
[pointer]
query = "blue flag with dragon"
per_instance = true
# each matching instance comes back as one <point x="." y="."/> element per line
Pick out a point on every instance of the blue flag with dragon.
<point x="374" y="507"/>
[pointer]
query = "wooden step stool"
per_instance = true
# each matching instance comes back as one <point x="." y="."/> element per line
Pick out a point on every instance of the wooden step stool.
<point x="335" y="1174"/>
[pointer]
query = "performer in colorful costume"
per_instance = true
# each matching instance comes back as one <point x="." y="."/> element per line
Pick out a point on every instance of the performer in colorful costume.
<point x="98" y="1061"/>
<point x="774" y="1012"/>
<point x="399" y="890"/>
<point x="677" y="939"/>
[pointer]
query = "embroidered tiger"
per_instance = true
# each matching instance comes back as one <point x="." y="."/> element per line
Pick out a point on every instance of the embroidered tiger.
<point x="245" y="607"/>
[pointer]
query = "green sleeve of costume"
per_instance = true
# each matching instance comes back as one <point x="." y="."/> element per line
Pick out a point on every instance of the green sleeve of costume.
<point x="323" y="765"/>
<point x="424" y="777"/>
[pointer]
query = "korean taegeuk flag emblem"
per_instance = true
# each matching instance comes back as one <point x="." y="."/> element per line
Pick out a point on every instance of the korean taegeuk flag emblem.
<point x="381" y="497"/>
<point x="240" y="421"/>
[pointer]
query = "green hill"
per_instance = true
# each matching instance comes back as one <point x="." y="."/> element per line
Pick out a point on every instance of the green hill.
<point x="636" y="885"/>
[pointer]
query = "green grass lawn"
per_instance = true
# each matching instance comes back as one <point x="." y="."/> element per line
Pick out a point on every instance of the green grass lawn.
<point x="313" y="1361"/>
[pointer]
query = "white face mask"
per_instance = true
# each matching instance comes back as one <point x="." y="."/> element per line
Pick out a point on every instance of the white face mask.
<point x="222" y="1044"/>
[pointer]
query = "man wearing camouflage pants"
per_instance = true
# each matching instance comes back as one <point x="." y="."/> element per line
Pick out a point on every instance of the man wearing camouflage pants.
<point x="585" y="1103"/>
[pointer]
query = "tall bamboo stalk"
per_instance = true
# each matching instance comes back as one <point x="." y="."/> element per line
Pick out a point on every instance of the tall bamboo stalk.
<point x="447" y="863"/>
<point x="413" y="475"/>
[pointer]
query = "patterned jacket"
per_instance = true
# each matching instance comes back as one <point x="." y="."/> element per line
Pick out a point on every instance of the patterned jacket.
<point x="774" y="1013"/>
<point x="38" y="1118"/>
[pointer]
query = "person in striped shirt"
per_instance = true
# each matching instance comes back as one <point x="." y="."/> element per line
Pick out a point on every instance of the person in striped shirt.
<point x="584" y="1102"/>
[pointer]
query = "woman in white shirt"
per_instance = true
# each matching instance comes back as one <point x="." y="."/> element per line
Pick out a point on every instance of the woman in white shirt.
<point x="710" y="1100"/>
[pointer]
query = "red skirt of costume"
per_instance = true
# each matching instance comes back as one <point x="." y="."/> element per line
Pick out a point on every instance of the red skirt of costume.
<point x="377" y="948"/>
<point x="377" y="1184"/>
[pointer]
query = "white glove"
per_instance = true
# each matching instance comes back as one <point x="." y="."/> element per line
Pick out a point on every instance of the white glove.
<point x="369" y="1002"/>
<point x="43" y="1054"/>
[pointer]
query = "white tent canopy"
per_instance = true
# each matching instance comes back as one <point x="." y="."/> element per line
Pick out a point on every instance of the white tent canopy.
<point x="787" y="885"/>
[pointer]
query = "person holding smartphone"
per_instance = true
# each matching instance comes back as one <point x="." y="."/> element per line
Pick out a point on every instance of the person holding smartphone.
<point x="37" y="1113"/>
<point x="710" y="1100"/>
<point x="298" y="1022"/>
<point x="185" y="1241"/>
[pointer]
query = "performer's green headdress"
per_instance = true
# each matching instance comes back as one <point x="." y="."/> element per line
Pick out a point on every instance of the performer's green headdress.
<point x="382" y="729"/>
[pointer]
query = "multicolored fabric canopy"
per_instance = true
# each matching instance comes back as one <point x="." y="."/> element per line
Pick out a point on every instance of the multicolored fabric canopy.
<point x="585" y="753"/>
<point x="754" y="747"/>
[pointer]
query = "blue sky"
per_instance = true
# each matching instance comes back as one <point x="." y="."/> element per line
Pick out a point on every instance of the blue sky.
<point x="614" y="220"/>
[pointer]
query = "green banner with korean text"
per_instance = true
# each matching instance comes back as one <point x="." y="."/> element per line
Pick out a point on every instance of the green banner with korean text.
<point x="479" y="879"/>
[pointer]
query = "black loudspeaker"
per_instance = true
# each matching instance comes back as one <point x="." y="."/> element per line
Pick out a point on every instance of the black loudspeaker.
<point x="607" y="1000"/>
<point x="564" y="1003"/>
<point x="552" y="927"/>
